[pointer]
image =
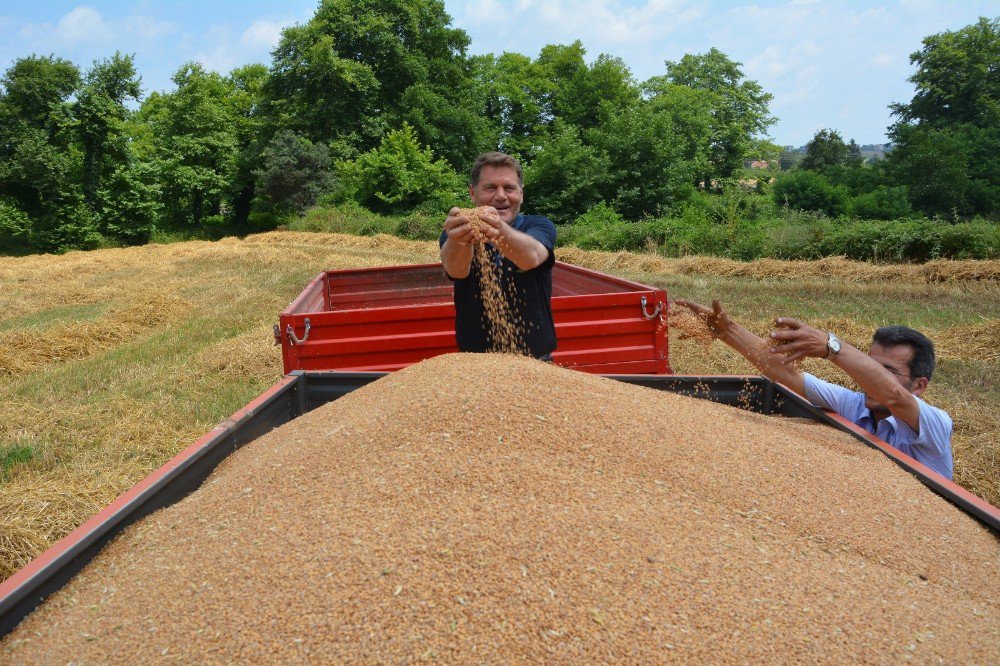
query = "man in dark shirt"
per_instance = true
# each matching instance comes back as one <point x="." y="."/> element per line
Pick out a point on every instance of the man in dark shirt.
<point x="520" y="245"/>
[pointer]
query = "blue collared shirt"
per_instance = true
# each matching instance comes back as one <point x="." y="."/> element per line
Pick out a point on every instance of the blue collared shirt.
<point x="931" y="446"/>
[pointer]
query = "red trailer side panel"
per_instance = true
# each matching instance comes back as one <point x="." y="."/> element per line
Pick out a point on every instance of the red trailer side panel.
<point x="388" y="318"/>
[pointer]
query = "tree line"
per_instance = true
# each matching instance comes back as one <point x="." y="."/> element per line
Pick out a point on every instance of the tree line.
<point x="378" y="104"/>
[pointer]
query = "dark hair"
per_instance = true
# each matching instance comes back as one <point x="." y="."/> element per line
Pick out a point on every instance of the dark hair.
<point x="922" y="363"/>
<point x="495" y="159"/>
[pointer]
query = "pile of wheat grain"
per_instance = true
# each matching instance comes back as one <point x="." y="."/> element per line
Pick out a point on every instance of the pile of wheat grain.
<point x="495" y="508"/>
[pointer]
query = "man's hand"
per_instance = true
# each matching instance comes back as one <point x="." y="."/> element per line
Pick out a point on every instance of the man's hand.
<point x="715" y="317"/>
<point x="461" y="229"/>
<point x="750" y="346"/>
<point x="798" y="340"/>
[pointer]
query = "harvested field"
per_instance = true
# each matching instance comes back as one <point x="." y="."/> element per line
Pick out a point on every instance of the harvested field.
<point x="180" y="338"/>
<point x="538" y="514"/>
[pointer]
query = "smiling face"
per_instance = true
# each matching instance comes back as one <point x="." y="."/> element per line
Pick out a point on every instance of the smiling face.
<point x="498" y="187"/>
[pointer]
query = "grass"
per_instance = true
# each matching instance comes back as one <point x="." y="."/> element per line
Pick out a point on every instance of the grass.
<point x="112" y="361"/>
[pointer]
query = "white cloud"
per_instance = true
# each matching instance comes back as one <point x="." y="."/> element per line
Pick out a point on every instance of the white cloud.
<point x="262" y="35"/>
<point x="253" y="45"/>
<point x="83" y="24"/>
<point x="148" y="28"/>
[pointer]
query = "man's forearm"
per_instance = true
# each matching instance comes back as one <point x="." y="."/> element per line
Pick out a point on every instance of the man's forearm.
<point x="526" y="252"/>
<point x="879" y="384"/>
<point x="757" y="350"/>
<point x="456" y="259"/>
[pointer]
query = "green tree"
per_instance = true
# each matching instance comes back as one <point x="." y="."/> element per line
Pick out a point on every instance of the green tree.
<point x="120" y="193"/>
<point x="567" y="177"/>
<point x="195" y="145"/>
<point x="802" y="189"/>
<point x="882" y="203"/>
<point x="739" y="108"/>
<point x="294" y="172"/>
<point x="516" y="94"/>
<point x="648" y="173"/>
<point x="252" y="132"/>
<point x="947" y="138"/>
<point x="825" y="149"/>
<point x="342" y="78"/>
<point x="459" y="131"/>
<point x="399" y="176"/>
<point x="101" y="113"/>
<point x="578" y="90"/>
<point x="957" y="79"/>
<point x="854" y="156"/>
<point x="40" y="163"/>
<point x="938" y="168"/>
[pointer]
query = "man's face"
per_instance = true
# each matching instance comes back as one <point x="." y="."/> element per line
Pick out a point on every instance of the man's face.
<point x="498" y="187"/>
<point x="896" y="359"/>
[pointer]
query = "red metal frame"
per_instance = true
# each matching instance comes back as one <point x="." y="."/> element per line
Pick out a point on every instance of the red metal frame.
<point x="384" y="319"/>
<point x="929" y="476"/>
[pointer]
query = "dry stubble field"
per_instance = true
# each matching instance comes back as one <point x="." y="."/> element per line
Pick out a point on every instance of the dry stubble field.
<point x="112" y="361"/>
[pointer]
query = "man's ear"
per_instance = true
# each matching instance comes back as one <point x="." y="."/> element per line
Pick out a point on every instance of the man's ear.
<point x="471" y="190"/>
<point x="919" y="385"/>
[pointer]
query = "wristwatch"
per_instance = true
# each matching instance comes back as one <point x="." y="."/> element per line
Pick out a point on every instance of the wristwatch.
<point x="832" y="345"/>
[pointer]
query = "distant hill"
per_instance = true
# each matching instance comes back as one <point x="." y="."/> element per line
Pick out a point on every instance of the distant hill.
<point x="791" y="155"/>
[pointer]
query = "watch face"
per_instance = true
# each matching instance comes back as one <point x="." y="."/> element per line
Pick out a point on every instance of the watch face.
<point x="834" y="345"/>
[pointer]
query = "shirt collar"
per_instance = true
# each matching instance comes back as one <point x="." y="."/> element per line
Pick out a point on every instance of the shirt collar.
<point x="866" y="420"/>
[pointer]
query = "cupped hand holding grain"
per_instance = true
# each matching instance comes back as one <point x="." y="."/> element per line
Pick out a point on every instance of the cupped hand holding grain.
<point x="459" y="227"/>
<point x="716" y="319"/>
<point x="485" y="223"/>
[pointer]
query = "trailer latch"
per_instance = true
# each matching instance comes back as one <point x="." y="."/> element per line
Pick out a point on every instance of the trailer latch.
<point x="656" y="312"/>
<point x="290" y="332"/>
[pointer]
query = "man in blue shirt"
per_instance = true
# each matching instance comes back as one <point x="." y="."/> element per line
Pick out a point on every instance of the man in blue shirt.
<point x="892" y="375"/>
<point x="522" y="246"/>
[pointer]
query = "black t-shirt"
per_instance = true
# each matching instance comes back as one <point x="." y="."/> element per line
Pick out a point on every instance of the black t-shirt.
<point x="529" y="295"/>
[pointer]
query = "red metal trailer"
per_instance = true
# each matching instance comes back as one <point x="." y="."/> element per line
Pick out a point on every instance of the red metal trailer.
<point x="384" y="319"/>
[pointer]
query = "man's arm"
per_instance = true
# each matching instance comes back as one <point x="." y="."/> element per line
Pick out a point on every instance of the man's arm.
<point x="456" y="252"/>
<point x="799" y="340"/>
<point x="752" y="347"/>
<point x="525" y="251"/>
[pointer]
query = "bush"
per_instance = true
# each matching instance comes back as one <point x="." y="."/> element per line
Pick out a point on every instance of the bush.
<point x="15" y="228"/>
<point x="883" y="203"/>
<point x="807" y="190"/>
<point x="294" y="172"/>
<point x="421" y="226"/>
<point x="399" y="176"/>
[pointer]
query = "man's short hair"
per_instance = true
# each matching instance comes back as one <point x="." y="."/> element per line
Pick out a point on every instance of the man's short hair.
<point x="922" y="363"/>
<point x="495" y="159"/>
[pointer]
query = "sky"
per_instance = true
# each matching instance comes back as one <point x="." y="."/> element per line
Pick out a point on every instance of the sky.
<point x="834" y="64"/>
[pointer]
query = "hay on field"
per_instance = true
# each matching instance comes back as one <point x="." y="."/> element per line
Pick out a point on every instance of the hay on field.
<point x="829" y="267"/>
<point x="37" y="510"/>
<point x="378" y="241"/>
<point x="975" y="341"/>
<point x="248" y="356"/>
<point x="24" y="350"/>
